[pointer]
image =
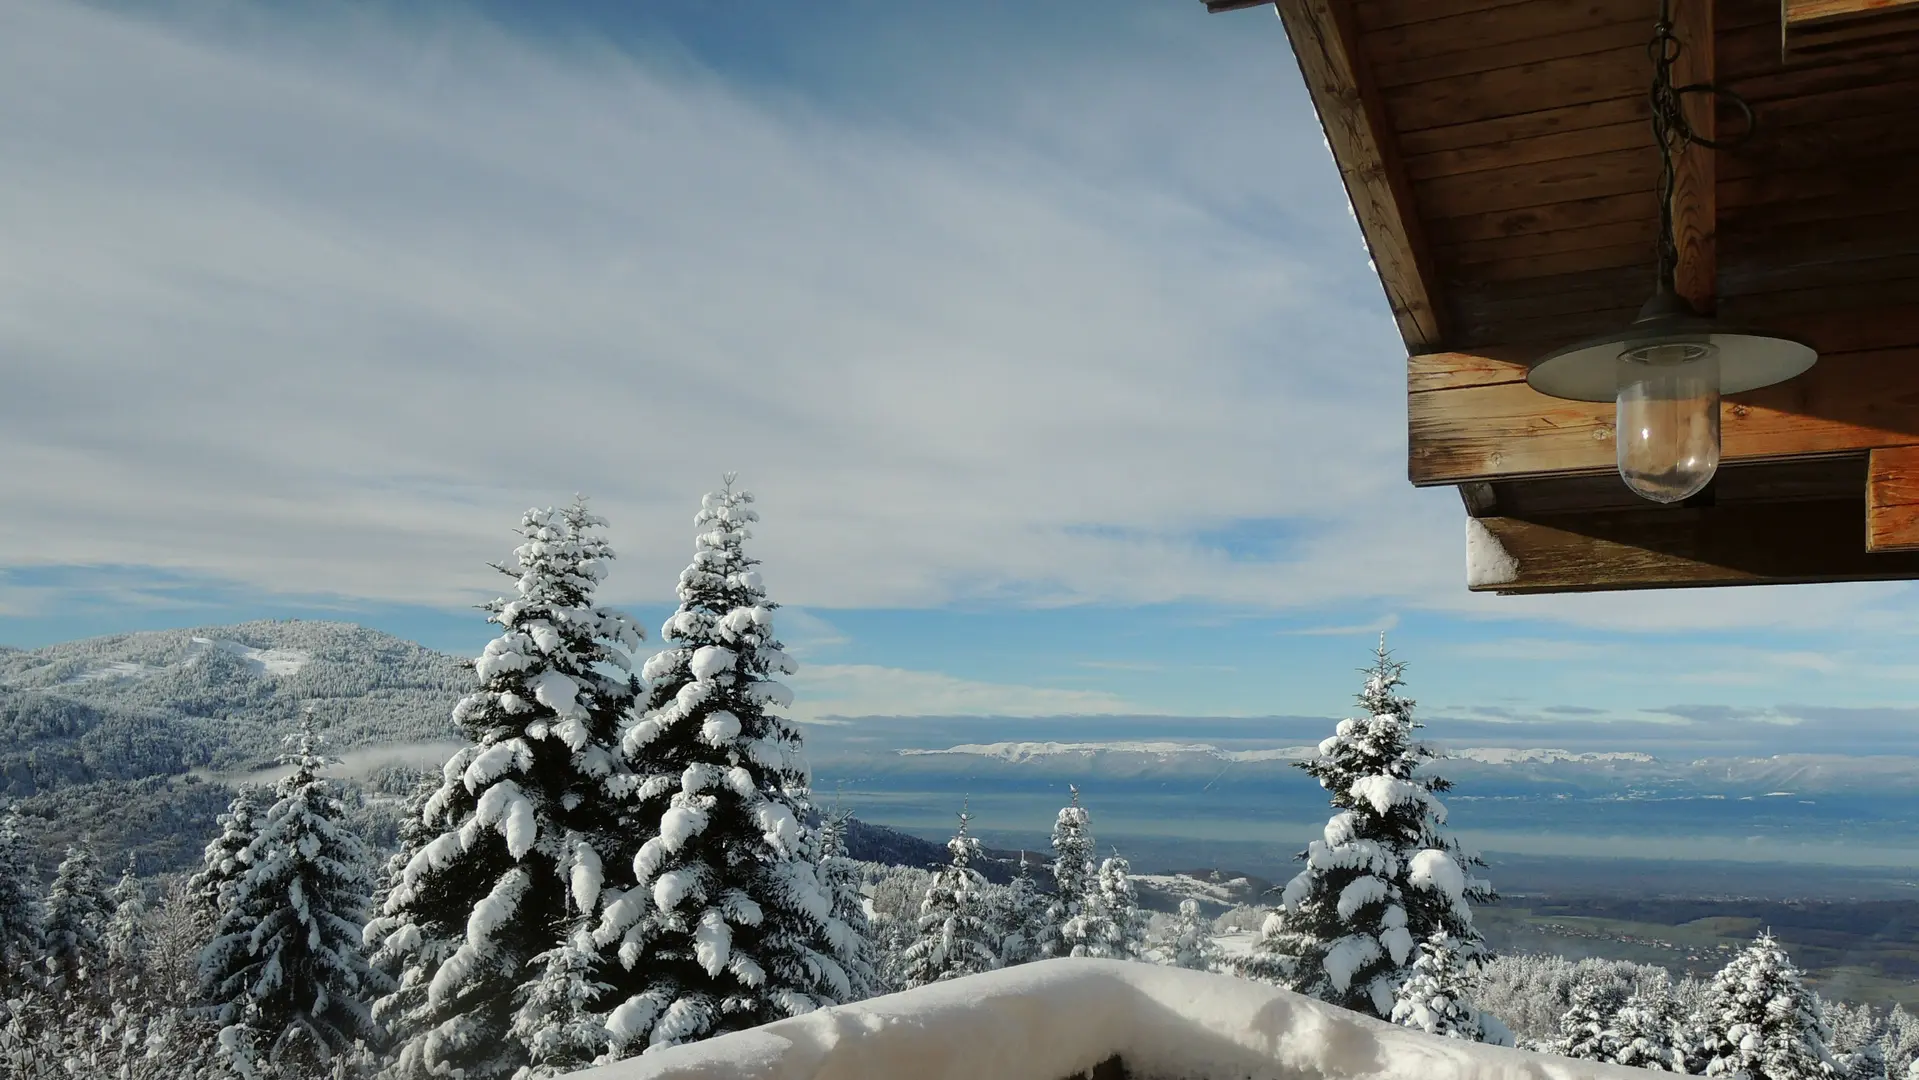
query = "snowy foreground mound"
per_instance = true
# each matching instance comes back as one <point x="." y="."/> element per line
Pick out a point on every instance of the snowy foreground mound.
<point x="1057" y="1018"/>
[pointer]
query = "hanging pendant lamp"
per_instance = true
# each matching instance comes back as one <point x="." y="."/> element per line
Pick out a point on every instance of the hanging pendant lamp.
<point x="1669" y="368"/>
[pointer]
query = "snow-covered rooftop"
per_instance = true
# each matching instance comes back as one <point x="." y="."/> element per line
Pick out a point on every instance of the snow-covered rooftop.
<point x="1057" y="1018"/>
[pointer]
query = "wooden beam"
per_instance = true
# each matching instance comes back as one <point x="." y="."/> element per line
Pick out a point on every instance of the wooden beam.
<point x="1324" y="39"/>
<point x="1472" y="417"/>
<point x="1667" y="547"/>
<point x="1892" y="499"/>
<point x="1694" y="208"/>
<point x="1800" y="13"/>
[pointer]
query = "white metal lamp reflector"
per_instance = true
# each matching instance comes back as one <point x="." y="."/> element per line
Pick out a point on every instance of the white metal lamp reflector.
<point x="1667" y="372"/>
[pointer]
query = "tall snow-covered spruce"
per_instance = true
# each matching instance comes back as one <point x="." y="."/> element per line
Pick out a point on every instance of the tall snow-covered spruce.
<point x="1073" y="878"/>
<point x="1385" y="876"/>
<point x="285" y="966"/>
<point x="522" y="819"/>
<point x="955" y="938"/>
<point x="74" y="920"/>
<point x="724" y="923"/>
<point x="124" y="940"/>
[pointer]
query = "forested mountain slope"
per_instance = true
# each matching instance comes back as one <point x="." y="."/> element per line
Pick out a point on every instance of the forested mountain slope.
<point x="162" y="703"/>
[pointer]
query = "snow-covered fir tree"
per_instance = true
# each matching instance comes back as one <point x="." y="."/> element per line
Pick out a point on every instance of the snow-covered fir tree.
<point x="1384" y="876"/>
<point x="840" y="877"/>
<point x="1587" y="1031"/>
<point x="284" y="968"/>
<point x="1108" y="924"/>
<point x="174" y="936"/>
<point x="955" y="938"/>
<point x="224" y="858"/>
<point x="1188" y="941"/>
<point x="75" y="918"/>
<point x="1073" y="876"/>
<point x="1861" y="1038"/>
<point x="124" y="940"/>
<point x="559" y="1021"/>
<point x="19" y="900"/>
<point x="1436" y="998"/>
<point x="1762" y="1023"/>
<point x="1868" y="1062"/>
<point x="1648" y="1031"/>
<point x="398" y="946"/>
<point x="522" y="818"/>
<point x="1020" y="917"/>
<point x="723" y="924"/>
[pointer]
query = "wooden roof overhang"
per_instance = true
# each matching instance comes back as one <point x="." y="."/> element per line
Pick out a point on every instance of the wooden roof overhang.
<point x="1499" y="158"/>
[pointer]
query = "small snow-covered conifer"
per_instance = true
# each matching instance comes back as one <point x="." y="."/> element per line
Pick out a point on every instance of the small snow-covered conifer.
<point x="1647" y="1031"/>
<point x="174" y="937"/>
<point x="840" y="877"/>
<point x="284" y="968"/>
<point x="1189" y="941"/>
<point x="722" y="922"/>
<point x="76" y="912"/>
<point x="1020" y="918"/>
<point x="124" y="940"/>
<point x="19" y="900"/>
<point x="1586" y="1031"/>
<point x="559" y="1021"/>
<point x="1436" y="999"/>
<point x="954" y="937"/>
<point x="1108" y="924"/>
<point x="224" y="857"/>
<point x="1385" y="874"/>
<point x="522" y="817"/>
<point x="1073" y="876"/>
<point x="1762" y="1023"/>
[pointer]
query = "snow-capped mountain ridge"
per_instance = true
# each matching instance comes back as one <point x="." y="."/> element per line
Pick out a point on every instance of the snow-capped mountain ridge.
<point x="1506" y="755"/>
<point x="1031" y="751"/>
<point x="1488" y="755"/>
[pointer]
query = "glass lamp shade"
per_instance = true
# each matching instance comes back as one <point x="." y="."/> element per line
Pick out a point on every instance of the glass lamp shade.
<point x="1667" y="372"/>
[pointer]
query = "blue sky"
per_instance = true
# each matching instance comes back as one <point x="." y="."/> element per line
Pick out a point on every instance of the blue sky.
<point x="1042" y="331"/>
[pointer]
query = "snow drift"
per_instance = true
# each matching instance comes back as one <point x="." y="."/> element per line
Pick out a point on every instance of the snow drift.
<point x="1053" y="1019"/>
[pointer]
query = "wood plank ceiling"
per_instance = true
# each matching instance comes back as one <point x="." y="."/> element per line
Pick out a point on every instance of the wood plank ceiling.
<point x="1518" y="130"/>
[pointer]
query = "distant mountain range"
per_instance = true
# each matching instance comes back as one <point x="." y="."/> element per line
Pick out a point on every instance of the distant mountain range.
<point x="1478" y="770"/>
<point x="131" y="738"/>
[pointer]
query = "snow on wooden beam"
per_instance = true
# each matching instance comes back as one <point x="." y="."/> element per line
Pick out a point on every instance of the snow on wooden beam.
<point x="1060" y="1018"/>
<point x="1472" y="417"/>
<point x="1667" y="547"/>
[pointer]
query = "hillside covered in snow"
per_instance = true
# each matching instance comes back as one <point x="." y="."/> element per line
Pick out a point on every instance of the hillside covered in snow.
<point x="212" y="698"/>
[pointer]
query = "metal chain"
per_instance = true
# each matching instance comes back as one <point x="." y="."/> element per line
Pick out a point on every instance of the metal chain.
<point x="1673" y="133"/>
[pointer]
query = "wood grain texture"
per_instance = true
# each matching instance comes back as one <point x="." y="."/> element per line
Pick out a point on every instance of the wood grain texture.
<point x="1498" y="132"/>
<point x="1525" y="88"/>
<point x="1892" y="499"/>
<point x="1545" y="183"/>
<point x="1802" y="12"/>
<point x="1653" y="547"/>
<point x="1322" y="33"/>
<point x="1694" y="205"/>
